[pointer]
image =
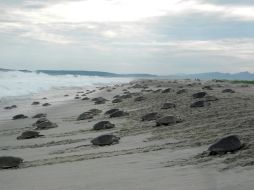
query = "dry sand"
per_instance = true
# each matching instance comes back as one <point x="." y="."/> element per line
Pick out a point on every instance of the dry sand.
<point x="147" y="157"/>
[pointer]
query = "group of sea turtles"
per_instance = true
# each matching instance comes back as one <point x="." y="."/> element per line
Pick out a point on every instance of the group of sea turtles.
<point x="226" y="144"/>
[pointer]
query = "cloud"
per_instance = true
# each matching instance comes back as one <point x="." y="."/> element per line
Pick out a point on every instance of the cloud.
<point x="156" y="35"/>
<point x="230" y="2"/>
<point x="128" y="10"/>
<point x="118" y="19"/>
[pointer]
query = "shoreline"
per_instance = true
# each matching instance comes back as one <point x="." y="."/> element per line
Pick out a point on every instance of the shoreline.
<point x="147" y="156"/>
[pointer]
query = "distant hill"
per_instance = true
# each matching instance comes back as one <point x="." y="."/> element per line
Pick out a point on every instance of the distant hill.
<point x="85" y="73"/>
<point x="203" y="76"/>
<point x="4" y="70"/>
<point x="91" y="73"/>
<point x="215" y="75"/>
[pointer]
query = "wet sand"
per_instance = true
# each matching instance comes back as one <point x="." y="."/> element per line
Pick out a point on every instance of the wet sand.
<point x="147" y="156"/>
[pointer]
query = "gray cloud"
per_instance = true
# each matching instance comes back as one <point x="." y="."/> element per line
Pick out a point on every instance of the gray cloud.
<point x="231" y="2"/>
<point x="196" y="40"/>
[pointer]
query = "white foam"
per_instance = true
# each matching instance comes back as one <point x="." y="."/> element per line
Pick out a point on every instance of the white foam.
<point x="15" y="83"/>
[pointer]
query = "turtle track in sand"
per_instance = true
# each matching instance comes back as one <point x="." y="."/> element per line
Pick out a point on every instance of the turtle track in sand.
<point x="231" y="114"/>
<point x="48" y="144"/>
<point x="81" y="157"/>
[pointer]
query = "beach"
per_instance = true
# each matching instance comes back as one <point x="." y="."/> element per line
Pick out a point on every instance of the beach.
<point x="148" y="155"/>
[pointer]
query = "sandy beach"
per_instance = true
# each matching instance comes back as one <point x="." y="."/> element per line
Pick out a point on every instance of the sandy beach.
<point x="147" y="156"/>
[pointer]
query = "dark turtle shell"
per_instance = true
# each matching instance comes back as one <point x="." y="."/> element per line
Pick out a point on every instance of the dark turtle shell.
<point x="39" y="115"/>
<point x="117" y="100"/>
<point x="44" y="123"/>
<point x="168" y="105"/>
<point x="199" y="95"/>
<point x="226" y="144"/>
<point x="168" y="120"/>
<point x="118" y="113"/>
<point x="228" y="91"/>
<point x="103" y="140"/>
<point x="150" y="116"/>
<point x="111" y="111"/>
<point x="103" y="125"/>
<point x="10" y="162"/>
<point x="181" y="91"/>
<point x="140" y="98"/>
<point x="199" y="104"/>
<point x="35" y="103"/>
<point x="29" y="135"/>
<point x="19" y="116"/>
<point x="167" y="90"/>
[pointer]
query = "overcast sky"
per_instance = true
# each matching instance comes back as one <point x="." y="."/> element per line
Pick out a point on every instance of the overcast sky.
<point x="128" y="36"/>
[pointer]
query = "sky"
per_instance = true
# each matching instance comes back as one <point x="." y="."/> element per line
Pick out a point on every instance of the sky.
<point x="128" y="36"/>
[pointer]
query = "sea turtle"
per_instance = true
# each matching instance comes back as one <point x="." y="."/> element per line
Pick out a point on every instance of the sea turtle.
<point x="117" y="100"/>
<point x="126" y="92"/>
<point x="116" y="96"/>
<point x="94" y="111"/>
<point x="103" y="125"/>
<point x="107" y="139"/>
<point x="39" y="115"/>
<point x="118" y="114"/>
<point x="168" y="105"/>
<point x="35" y="103"/>
<point x="46" y="104"/>
<point x="199" y="104"/>
<point x="140" y="98"/>
<point x="43" y="124"/>
<point x="150" y="116"/>
<point x="111" y="111"/>
<point x="10" y="107"/>
<point x="226" y="144"/>
<point x="40" y="120"/>
<point x="207" y="87"/>
<point x="228" y="91"/>
<point x="89" y="114"/>
<point x="99" y="99"/>
<point x="158" y="90"/>
<point x="181" y="91"/>
<point x="10" y="162"/>
<point x="167" y="90"/>
<point x="167" y="120"/>
<point x="19" y="116"/>
<point x="29" y="135"/>
<point x="199" y="95"/>
<point x="99" y="102"/>
<point x="126" y="95"/>
<point x="137" y="86"/>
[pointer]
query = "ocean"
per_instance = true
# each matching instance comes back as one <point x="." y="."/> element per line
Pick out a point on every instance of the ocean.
<point x="17" y="83"/>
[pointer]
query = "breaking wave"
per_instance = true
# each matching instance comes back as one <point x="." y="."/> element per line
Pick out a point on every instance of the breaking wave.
<point x="16" y="83"/>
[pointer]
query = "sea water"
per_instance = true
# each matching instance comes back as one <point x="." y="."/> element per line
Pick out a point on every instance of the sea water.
<point x="16" y="83"/>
